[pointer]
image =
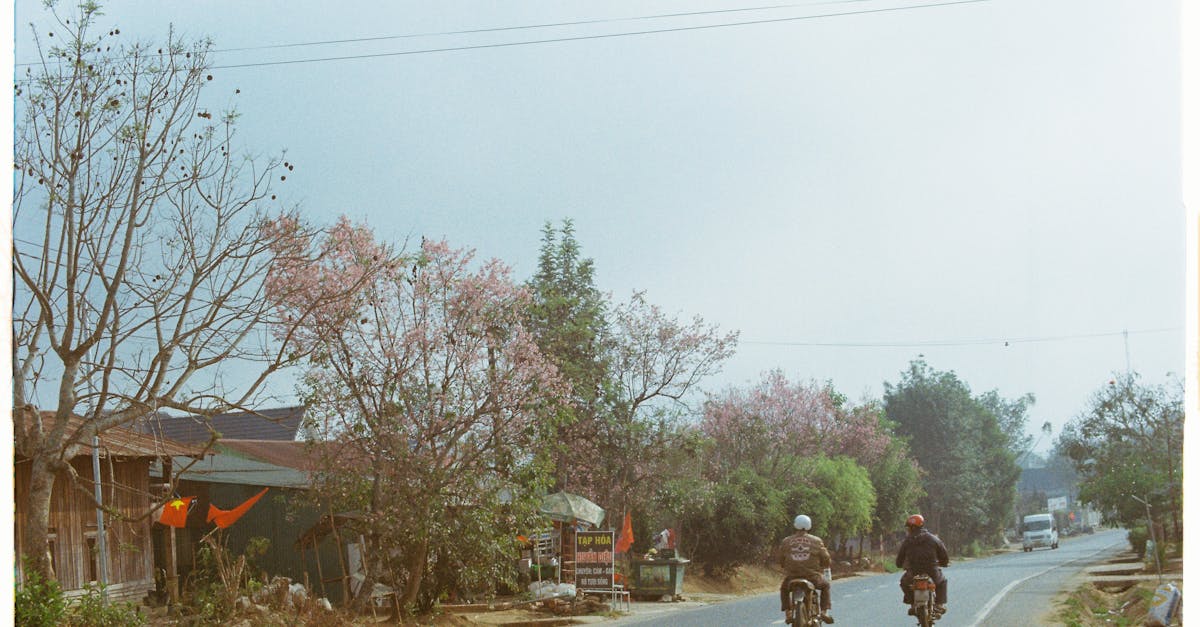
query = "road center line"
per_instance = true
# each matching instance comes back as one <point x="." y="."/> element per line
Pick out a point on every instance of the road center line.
<point x="994" y="601"/>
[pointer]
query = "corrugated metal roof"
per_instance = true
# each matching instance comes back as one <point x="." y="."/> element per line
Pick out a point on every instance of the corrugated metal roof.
<point x="294" y="455"/>
<point x="228" y="465"/>
<point x="280" y="424"/>
<point x="240" y="463"/>
<point x="125" y="442"/>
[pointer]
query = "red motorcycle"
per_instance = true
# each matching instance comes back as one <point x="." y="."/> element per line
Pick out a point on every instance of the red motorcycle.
<point x="924" y="593"/>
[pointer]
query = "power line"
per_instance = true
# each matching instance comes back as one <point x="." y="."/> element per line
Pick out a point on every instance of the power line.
<point x="497" y="29"/>
<point x="676" y="29"/>
<point x="959" y="342"/>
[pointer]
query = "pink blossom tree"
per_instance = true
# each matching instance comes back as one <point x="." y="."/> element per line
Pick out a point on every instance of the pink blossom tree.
<point x="655" y="362"/>
<point x="779" y="429"/>
<point x="776" y="421"/>
<point x="425" y="392"/>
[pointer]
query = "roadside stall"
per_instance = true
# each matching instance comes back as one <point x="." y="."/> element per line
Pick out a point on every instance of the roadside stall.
<point x="659" y="573"/>
<point x="570" y="514"/>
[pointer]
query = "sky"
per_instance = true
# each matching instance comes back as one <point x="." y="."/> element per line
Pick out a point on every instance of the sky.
<point x="993" y="186"/>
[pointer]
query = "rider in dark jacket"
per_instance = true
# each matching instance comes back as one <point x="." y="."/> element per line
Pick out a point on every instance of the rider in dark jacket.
<point x="922" y="553"/>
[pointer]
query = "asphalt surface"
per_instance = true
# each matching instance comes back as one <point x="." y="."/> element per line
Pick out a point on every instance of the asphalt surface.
<point x="1007" y="590"/>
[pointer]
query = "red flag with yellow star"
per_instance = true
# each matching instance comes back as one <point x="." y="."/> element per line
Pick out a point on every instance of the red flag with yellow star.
<point x="175" y="511"/>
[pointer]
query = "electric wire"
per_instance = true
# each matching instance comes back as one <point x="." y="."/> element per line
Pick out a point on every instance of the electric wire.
<point x="497" y="29"/>
<point x="512" y="44"/>
<point x="960" y="342"/>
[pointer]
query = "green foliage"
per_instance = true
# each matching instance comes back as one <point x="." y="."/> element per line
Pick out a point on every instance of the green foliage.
<point x="1129" y="442"/>
<point x="204" y="594"/>
<point x="1137" y="537"/>
<point x="39" y="602"/>
<point x="897" y="482"/>
<point x="731" y="524"/>
<point x="836" y="493"/>
<point x="91" y="610"/>
<point x="567" y="320"/>
<point x="974" y="549"/>
<point x="473" y="552"/>
<point x="970" y="470"/>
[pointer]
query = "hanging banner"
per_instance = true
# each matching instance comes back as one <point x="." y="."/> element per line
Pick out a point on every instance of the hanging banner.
<point x="594" y="560"/>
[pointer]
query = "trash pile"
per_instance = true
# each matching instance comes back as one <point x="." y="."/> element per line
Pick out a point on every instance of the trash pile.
<point x="549" y="590"/>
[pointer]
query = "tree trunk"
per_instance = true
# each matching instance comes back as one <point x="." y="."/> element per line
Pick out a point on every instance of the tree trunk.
<point x="416" y="572"/>
<point x="35" y="544"/>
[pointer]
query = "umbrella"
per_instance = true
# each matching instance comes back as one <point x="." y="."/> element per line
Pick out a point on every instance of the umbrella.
<point x="567" y="507"/>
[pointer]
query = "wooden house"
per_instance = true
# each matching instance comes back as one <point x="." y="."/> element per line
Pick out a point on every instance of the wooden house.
<point x="255" y="450"/>
<point x="125" y="459"/>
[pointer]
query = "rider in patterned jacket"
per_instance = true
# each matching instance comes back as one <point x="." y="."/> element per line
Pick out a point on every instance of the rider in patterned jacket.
<point x="804" y="555"/>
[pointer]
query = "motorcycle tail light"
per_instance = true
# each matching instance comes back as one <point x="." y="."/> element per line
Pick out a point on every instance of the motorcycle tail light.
<point x="924" y="584"/>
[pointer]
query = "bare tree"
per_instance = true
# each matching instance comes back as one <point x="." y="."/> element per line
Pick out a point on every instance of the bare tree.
<point x="141" y="242"/>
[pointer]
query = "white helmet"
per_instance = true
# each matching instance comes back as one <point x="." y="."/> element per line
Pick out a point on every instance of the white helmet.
<point x="802" y="522"/>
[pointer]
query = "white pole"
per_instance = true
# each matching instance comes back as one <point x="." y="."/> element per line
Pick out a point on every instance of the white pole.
<point x="102" y="558"/>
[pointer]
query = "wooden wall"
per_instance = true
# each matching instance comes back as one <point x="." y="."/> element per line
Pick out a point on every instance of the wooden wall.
<point x="73" y="525"/>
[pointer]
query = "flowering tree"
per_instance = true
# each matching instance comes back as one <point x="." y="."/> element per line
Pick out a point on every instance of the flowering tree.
<point x="425" y="393"/>
<point x="139" y="251"/>
<point x="775" y="422"/>
<point x="655" y="361"/>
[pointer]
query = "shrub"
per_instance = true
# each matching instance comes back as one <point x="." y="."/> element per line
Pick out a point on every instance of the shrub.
<point x="1137" y="540"/>
<point x="733" y="522"/>
<point x="91" y="610"/>
<point x="39" y="602"/>
<point x="974" y="549"/>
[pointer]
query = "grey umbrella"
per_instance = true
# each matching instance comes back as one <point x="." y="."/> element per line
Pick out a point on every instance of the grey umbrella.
<point x="567" y="507"/>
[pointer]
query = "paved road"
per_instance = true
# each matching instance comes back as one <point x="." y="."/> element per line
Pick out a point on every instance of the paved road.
<point x="1002" y="591"/>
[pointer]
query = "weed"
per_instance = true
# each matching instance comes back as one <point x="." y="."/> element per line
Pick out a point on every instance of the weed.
<point x="92" y="610"/>
<point x="39" y="602"/>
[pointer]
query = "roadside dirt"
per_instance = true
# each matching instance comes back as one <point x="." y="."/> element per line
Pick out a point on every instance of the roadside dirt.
<point x="747" y="581"/>
<point x="1112" y="602"/>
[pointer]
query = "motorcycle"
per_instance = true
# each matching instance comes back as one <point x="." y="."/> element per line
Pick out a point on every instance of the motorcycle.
<point x="803" y="609"/>
<point x="924" y="593"/>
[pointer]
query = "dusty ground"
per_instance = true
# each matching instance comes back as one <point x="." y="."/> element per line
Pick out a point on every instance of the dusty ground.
<point x="1088" y="605"/>
<point x="696" y="588"/>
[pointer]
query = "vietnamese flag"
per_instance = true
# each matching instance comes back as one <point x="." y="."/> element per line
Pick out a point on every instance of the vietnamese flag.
<point x="175" y="511"/>
<point x="626" y="538"/>
<point x="224" y="518"/>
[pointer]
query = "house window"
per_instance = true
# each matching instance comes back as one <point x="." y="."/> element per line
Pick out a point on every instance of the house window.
<point x="52" y="547"/>
<point x="93" y="569"/>
<point x="92" y="559"/>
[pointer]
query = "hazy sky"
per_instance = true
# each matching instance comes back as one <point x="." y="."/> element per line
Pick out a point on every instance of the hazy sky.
<point x="849" y="191"/>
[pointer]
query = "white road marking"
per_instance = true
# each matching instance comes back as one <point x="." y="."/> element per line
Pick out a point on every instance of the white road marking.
<point x="994" y="601"/>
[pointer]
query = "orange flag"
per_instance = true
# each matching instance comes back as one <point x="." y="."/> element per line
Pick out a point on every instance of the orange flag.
<point x="175" y="511"/>
<point x="224" y="518"/>
<point x="626" y="539"/>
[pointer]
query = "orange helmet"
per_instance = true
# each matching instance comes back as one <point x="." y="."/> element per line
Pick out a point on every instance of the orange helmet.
<point x="916" y="520"/>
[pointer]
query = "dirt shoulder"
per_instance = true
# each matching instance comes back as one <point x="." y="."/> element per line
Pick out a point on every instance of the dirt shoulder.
<point x="697" y="591"/>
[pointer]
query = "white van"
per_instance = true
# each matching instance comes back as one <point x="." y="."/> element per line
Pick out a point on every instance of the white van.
<point x="1039" y="530"/>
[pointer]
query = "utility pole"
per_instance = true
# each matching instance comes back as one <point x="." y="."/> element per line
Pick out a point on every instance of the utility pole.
<point x="101" y="545"/>
<point x="1150" y="522"/>
<point x="101" y="548"/>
